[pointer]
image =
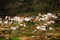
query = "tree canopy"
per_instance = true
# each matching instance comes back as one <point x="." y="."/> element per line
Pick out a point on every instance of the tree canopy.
<point x="13" y="7"/>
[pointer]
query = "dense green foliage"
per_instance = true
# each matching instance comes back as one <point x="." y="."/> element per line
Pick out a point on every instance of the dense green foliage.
<point x="2" y="38"/>
<point x="9" y="7"/>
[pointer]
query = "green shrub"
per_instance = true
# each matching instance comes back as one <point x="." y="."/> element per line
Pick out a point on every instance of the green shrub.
<point x="14" y="38"/>
<point x="2" y="38"/>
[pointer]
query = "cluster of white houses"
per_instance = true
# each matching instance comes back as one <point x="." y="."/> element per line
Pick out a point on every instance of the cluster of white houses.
<point x="47" y="19"/>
